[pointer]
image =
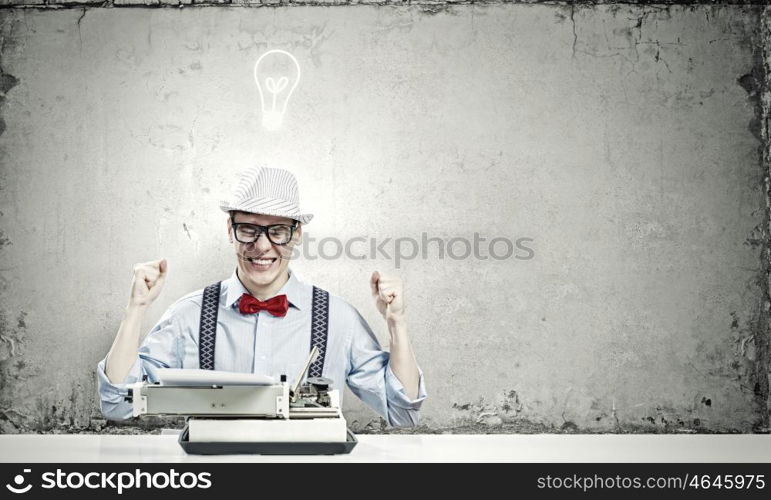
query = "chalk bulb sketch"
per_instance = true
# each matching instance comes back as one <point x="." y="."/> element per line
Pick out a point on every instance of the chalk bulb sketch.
<point x="277" y="74"/>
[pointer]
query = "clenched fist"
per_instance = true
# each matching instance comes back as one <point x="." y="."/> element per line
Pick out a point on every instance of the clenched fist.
<point x="388" y="293"/>
<point x="148" y="282"/>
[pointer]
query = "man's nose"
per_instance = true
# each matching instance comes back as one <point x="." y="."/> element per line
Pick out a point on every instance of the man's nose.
<point x="262" y="243"/>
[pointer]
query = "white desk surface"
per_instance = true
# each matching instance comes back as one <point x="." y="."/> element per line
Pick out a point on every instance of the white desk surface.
<point x="28" y="448"/>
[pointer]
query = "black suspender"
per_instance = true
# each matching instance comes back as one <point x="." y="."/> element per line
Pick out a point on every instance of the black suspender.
<point x="207" y="329"/>
<point x="319" y="329"/>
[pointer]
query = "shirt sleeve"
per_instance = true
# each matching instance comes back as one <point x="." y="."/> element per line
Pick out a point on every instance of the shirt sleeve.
<point x="371" y="379"/>
<point x="160" y="349"/>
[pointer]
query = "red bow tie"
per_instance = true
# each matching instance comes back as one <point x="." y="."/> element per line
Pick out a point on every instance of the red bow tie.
<point x="277" y="306"/>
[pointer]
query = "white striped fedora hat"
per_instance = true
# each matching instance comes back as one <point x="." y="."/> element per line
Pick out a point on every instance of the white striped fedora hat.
<point x="267" y="191"/>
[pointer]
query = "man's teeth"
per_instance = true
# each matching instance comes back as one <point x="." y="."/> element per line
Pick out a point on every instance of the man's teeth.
<point x="262" y="262"/>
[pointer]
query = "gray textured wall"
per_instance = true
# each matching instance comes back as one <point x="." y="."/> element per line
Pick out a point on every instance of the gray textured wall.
<point x="623" y="140"/>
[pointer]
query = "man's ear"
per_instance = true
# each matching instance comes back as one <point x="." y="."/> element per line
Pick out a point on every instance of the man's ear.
<point x="230" y="229"/>
<point x="298" y="235"/>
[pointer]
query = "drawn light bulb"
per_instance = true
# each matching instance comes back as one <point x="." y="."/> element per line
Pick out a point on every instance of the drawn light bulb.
<point x="277" y="74"/>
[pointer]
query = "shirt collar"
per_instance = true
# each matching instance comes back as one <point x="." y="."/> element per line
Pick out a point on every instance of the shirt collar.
<point x="295" y="290"/>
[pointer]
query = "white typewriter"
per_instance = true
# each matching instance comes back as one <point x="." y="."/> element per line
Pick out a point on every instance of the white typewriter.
<point x="246" y="413"/>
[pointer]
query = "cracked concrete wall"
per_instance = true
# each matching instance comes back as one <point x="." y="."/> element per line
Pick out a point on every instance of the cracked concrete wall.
<point x="629" y="142"/>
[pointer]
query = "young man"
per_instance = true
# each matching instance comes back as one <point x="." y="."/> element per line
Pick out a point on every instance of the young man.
<point x="266" y="318"/>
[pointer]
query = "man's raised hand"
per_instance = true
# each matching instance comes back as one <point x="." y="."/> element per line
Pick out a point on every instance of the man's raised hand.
<point x="148" y="282"/>
<point x="388" y="294"/>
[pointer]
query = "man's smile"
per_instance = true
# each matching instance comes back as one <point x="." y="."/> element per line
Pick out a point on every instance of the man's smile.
<point x="261" y="263"/>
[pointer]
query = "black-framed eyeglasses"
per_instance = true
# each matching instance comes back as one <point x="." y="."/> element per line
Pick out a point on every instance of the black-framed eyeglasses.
<point x="278" y="234"/>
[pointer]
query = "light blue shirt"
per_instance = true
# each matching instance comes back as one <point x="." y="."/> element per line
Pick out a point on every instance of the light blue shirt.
<point x="268" y="345"/>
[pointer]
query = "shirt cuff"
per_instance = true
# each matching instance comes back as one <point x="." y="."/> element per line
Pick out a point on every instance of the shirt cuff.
<point x="116" y="392"/>
<point x="395" y="391"/>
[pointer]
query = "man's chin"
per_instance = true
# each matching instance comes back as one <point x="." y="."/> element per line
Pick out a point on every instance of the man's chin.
<point x="262" y="275"/>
